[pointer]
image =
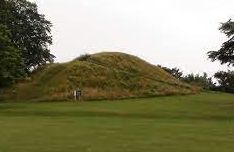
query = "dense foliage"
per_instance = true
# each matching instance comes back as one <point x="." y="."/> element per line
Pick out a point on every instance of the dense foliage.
<point x="226" y="81"/>
<point x="226" y="56"/>
<point x="194" y="79"/>
<point x="30" y="32"/>
<point x="24" y="39"/>
<point x="175" y="72"/>
<point x="10" y="63"/>
<point x="83" y="57"/>
<point x="226" y="53"/>
<point x="200" y="80"/>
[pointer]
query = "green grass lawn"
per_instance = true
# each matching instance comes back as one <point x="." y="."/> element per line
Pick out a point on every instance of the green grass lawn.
<point x="196" y="123"/>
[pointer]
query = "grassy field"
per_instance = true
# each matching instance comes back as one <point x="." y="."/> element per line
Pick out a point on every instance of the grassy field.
<point x="195" y="123"/>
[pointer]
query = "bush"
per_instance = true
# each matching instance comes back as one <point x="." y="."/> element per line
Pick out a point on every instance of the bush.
<point x="225" y="80"/>
<point x="83" y="57"/>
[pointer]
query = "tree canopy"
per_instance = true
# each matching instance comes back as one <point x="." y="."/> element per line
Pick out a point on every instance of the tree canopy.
<point x="29" y="31"/>
<point x="175" y="72"/>
<point x="199" y="80"/>
<point x="226" y="80"/>
<point x="11" y="65"/>
<point x="226" y="53"/>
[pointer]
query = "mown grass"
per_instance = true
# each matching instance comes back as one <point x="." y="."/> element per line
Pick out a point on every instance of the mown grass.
<point x="195" y="123"/>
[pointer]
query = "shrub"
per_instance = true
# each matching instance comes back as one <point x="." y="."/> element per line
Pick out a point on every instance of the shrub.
<point x="83" y="57"/>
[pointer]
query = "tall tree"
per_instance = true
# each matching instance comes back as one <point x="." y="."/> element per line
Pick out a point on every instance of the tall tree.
<point x="30" y="31"/>
<point x="11" y="66"/>
<point x="226" y="53"/>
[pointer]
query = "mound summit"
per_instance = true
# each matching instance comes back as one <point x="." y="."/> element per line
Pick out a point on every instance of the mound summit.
<point x="104" y="75"/>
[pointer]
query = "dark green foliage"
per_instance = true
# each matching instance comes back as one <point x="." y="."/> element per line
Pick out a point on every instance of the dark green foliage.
<point x="11" y="67"/>
<point x="199" y="80"/>
<point x="226" y="53"/>
<point x="226" y="81"/>
<point x="30" y="31"/>
<point x="175" y="72"/>
<point x="194" y="79"/>
<point x="83" y="57"/>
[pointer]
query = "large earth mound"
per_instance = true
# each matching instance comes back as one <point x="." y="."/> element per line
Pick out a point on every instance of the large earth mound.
<point x="99" y="76"/>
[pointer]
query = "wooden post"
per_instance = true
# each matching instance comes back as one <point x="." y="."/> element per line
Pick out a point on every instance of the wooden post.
<point x="75" y="95"/>
<point x="78" y="93"/>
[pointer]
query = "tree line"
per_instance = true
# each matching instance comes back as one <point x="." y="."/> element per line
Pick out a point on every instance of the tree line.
<point x="220" y="81"/>
<point x="225" y="55"/>
<point x="25" y="35"/>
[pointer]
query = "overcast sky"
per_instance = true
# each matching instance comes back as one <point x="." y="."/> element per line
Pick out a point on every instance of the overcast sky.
<point x="173" y="33"/>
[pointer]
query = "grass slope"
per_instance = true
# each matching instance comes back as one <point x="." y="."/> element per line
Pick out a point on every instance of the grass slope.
<point x="195" y="123"/>
<point x="100" y="76"/>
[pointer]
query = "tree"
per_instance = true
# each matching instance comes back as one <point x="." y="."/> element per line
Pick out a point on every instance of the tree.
<point x="226" y="56"/>
<point x="175" y="72"/>
<point x="11" y="67"/>
<point x="226" y="81"/>
<point x="199" y="80"/>
<point x="226" y="53"/>
<point x="30" y="32"/>
<point x="194" y="79"/>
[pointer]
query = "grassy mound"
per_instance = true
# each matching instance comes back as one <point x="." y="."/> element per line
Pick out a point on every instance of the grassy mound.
<point x="99" y="76"/>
